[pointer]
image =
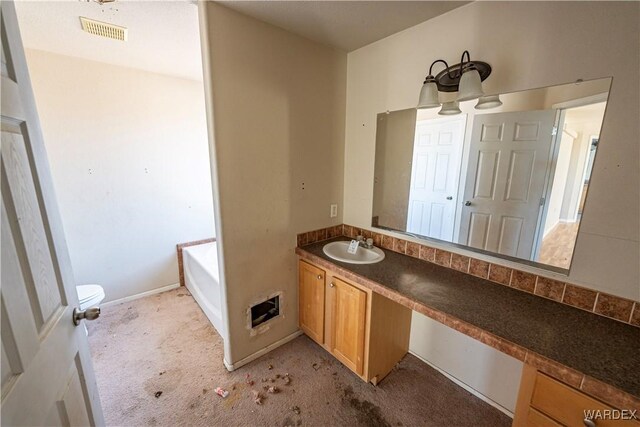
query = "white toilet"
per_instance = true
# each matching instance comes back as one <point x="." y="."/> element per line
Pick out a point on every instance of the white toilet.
<point x="89" y="295"/>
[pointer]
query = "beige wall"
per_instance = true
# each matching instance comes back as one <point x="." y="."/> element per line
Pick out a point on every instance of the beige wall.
<point x="129" y="158"/>
<point x="528" y="45"/>
<point x="278" y="104"/>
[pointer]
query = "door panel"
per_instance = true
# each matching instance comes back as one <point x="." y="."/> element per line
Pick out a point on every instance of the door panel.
<point x="520" y="176"/>
<point x="479" y="230"/>
<point x="47" y="376"/>
<point x="44" y="296"/>
<point x="486" y="173"/>
<point x="508" y="159"/>
<point x="349" y="315"/>
<point x="510" y="232"/>
<point x="311" y="301"/>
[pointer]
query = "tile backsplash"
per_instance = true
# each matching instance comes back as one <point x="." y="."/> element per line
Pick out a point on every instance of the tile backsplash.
<point x="610" y="306"/>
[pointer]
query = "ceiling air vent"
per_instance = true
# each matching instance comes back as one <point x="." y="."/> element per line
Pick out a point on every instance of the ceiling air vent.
<point x="103" y="29"/>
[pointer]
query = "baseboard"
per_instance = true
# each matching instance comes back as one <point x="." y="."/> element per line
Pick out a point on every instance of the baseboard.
<point x="467" y="387"/>
<point x="141" y="295"/>
<point x="233" y="366"/>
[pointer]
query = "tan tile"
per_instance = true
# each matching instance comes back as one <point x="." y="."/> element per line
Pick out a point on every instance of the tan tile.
<point x="347" y="230"/>
<point x="321" y="234"/>
<point x="427" y="253"/>
<point x="500" y="274"/>
<point x="504" y="346"/>
<point x="523" y="281"/>
<point x="609" y="394"/>
<point x="635" y="317"/>
<point x="413" y="249"/>
<point x="549" y="288"/>
<point x="465" y="328"/>
<point x="579" y="297"/>
<point x="329" y="231"/>
<point x="311" y="237"/>
<point x="460" y="262"/>
<point x="399" y="245"/>
<point x="429" y="312"/>
<point x="555" y="369"/>
<point x="443" y="258"/>
<point x="614" y="307"/>
<point x="377" y="239"/>
<point x="304" y="238"/>
<point x="387" y="242"/>
<point x="479" y="268"/>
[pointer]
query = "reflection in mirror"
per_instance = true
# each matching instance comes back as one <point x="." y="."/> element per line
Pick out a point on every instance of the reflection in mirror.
<point x="510" y="181"/>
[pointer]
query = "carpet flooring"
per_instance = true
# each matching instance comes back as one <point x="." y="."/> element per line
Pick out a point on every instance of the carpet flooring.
<point x="158" y="361"/>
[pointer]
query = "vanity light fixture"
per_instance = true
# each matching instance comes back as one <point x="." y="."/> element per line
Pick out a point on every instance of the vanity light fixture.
<point x="489" y="101"/>
<point x="450" y="108"/>
<point x="465" y="78"/>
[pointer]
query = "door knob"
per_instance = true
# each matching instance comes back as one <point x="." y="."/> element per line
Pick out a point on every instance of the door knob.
<point x="90" y="314"/>
<point x="319" y="276"/>
<point x="449" y="197"/>
<point x="589" y="423"/>
<point x="467" y="203"/>
<point x="332" y="284"/>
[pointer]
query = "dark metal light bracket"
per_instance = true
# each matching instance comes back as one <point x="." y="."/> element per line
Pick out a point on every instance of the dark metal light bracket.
<point x="448" y="79"/>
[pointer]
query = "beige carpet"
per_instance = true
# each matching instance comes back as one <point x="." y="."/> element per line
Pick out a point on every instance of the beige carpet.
<point x="164" y="343"/>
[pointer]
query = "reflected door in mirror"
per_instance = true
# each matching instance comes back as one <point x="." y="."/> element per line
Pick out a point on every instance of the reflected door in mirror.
<point x="508" y="161"/>
<point x="437" y="154"/>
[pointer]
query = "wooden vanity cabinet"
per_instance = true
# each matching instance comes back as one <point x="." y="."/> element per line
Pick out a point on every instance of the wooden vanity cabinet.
<point x="365" y="331"/>
<point x="311" y="301"/>
<point x="348" y="324"/>
<point x="546" y="402"/>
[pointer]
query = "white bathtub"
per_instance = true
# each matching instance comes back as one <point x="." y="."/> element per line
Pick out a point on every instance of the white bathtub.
<point x="201" y="277"/>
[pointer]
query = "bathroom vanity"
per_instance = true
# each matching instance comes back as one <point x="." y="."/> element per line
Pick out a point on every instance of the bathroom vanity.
<point x="364" y="330"/>
<point x="361" y="315"/>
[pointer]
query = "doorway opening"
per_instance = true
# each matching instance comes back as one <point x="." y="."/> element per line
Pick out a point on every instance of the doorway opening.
<point x="576" y="145"/>
<point x="124" y="124"/>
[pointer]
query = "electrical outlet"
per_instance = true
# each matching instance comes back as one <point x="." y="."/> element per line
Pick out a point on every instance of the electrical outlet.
<point x="334" y="211"/>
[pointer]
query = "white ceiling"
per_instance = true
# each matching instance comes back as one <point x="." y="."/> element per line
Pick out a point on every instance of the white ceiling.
<point x="163" y="35"/>
<point x="347" y="25"/>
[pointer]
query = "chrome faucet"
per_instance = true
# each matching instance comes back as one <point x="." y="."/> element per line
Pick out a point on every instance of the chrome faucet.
<point x="367" y="244"/>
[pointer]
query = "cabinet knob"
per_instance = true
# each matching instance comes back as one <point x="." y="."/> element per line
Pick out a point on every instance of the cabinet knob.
<point x="332" y="284"/>
<point x="589" y="423"/>
<point x="319" y="276"/>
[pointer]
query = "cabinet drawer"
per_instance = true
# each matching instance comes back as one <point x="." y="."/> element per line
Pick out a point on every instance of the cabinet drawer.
<point x="538" y="419"/>
<point x="567" y="405"/>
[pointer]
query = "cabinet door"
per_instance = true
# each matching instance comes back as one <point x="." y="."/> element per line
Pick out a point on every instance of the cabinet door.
<point x="348" y="324"/>
<point x="311" y="300"/>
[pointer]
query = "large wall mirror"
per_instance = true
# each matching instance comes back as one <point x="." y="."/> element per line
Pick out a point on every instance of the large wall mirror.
<point x="510" y="180"/>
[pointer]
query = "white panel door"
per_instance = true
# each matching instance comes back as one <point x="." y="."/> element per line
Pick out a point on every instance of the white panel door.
<point x="508" y="162"/>
<point x="437" y="154"/>
<point x="47" y="376"/>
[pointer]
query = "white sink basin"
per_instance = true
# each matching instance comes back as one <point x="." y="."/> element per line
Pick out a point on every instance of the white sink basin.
<point x="338" y="251"/>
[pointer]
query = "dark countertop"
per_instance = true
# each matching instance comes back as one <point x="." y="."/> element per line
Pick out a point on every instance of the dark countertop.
<point x="604" y="349"/>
